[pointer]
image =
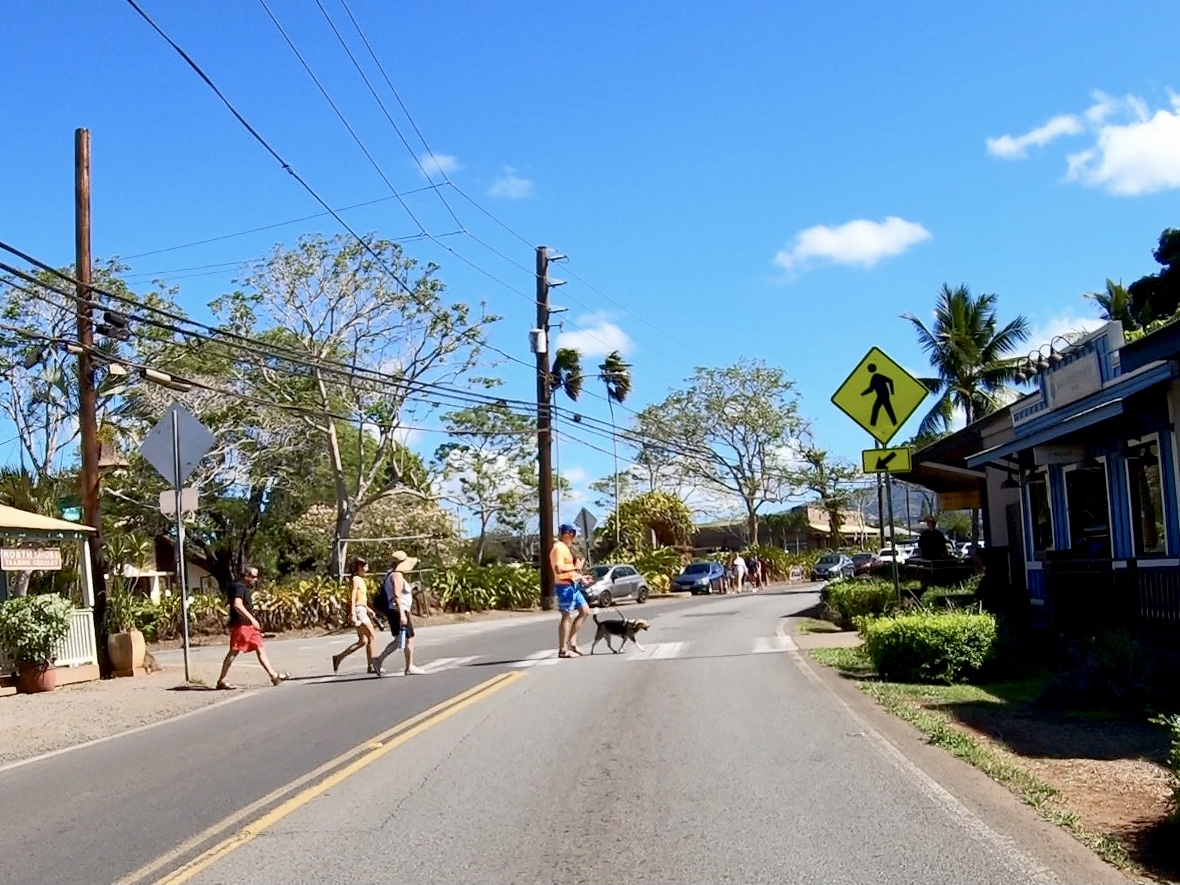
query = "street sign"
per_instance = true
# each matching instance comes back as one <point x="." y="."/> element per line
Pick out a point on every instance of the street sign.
<point x="193" y="440"/>
<point x="898" y="460"/>
<point x="188" y="501"/>
<point x="879" y="395"/>
<point x="585" y="522"/>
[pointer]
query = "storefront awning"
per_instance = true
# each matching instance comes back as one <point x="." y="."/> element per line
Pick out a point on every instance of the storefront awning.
<point x="1078" y="420"/>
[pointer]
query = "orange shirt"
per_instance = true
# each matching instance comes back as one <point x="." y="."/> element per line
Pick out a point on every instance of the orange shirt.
<point x="562" y="561"/>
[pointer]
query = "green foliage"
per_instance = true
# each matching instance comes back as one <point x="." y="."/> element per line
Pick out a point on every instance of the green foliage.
<point x="659" y="512"/>
<point x="469" y="587"/>
<point x="1110" y="671"/>
<point x="1156" y="296"/>
<point x="929" y="647"/>
<point x="31" y="627"/>
<point x="846" y="601"/>
<point x="1171" y="722"/>
<point x="658" y="566"/>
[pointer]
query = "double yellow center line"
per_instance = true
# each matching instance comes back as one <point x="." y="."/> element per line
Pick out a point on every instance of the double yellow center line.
<point x="291" y="797"/>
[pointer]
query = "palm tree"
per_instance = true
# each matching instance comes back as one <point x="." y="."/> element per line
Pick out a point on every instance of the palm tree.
<point x="566" y="376"/>
<point x="1115" y="304"/>
<point x="973" y="357"/>
<point x="616" y="375"/>
<point x="972" y="354"/>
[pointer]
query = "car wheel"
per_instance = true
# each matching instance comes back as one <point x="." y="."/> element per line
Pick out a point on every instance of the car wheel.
<point x="641" y="596"/>
<point x="604" y="599"/>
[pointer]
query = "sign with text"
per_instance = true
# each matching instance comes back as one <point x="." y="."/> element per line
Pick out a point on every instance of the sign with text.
<point x="30" y="559"/>
<point x="1073" y="380"/>
<point x="899" y="460"/>
<point x="879" y="395"/>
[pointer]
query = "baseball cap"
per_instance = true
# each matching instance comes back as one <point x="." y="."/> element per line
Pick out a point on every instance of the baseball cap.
<point x="567" y="528"/>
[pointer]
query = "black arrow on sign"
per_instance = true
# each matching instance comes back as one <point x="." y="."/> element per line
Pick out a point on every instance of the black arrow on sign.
<point x="883" y="461"/>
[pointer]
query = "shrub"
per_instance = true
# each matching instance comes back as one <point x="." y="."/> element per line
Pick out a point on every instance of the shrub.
<point x="1112" y="670"/>
<point x="32" y="626"/>
<point x="845" y="601"/>
<point x="1171" y="722"/>
<point x="929" y="647"/>
<point x="469" y="587"/>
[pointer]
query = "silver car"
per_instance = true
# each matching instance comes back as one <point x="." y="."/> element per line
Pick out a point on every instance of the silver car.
<point x="614" y="582"/>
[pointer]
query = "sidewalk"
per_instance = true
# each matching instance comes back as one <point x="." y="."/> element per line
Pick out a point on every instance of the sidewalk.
<point x="842" y="639"/>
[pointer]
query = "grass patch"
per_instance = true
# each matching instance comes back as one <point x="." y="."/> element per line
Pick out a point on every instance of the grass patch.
<point x="852" y="661"/>
<point x="815" y="625"/>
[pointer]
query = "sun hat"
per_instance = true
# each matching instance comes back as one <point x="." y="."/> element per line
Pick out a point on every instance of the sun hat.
<point x="403" y="562"/>
<point x="567" y="529"/>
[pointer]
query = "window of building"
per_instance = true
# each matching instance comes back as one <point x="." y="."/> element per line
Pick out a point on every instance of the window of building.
<point x="1089" y="511"/>
<point x="1041" y="516"/>
<point x="1147" y="499"/>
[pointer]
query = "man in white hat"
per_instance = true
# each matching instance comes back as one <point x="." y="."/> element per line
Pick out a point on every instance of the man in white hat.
<point x="401" y="598"/>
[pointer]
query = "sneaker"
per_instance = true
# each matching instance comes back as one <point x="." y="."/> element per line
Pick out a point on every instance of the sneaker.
<point x="415" y="671"/>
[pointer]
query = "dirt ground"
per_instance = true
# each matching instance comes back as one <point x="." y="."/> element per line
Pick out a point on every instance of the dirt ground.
<point x="1111" y="774"/>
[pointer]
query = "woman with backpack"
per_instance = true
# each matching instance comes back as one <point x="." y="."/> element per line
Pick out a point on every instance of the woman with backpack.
<point x="363" y="618"/>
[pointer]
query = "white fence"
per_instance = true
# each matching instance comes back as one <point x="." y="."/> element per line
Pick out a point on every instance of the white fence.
<point x="75" y="650"/>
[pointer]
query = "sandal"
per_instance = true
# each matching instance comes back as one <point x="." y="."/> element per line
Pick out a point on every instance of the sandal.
<point x="225" y="686"/>
<point x="564" y="653"/>
<point x="279" y="677"/>
<point x="573" y="650"/>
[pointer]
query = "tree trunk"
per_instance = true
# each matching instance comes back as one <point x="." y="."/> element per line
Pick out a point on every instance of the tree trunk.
<point x="345" y="517"/>
<point x="752" y="525"/>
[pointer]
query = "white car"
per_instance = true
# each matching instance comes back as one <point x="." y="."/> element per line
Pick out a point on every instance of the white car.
<point x="891" y="554"/>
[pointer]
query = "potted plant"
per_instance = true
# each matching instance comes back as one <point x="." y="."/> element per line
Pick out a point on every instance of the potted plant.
<point x="31" y="628"/>
<point x="126" y="646"/>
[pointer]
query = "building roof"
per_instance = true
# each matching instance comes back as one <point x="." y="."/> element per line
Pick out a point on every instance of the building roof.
<point x="16" y="522"/>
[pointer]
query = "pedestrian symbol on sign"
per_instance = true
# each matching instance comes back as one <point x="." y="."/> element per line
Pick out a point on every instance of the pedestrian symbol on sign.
<point x="882" y="387"/>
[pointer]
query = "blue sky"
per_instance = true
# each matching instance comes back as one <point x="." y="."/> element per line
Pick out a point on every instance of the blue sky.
<point x="742" y="179"/>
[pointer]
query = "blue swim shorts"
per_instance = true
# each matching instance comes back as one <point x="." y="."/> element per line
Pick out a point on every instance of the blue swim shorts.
<point x="570" y="598"/>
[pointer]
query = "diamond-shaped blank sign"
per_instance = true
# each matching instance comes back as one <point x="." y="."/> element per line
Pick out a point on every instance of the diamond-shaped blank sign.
<point x="193" y="441"/>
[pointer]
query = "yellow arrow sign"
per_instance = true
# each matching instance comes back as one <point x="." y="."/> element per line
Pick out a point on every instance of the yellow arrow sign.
<point x="879" y="395"/>
<point x="887" y="460"/>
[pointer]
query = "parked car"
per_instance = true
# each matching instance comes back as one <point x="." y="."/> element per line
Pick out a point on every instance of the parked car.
<point x="832" y="566"/>
<point x="889" y="554"/>
<point x="615" y="582"/>
<point x="700" y="577"/>
<point x="864" y="563"/>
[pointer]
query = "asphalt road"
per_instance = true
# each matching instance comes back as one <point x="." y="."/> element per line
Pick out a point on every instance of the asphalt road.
<point x="716" y="754"/>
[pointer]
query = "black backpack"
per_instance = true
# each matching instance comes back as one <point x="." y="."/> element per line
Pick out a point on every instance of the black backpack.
<point x="379" y="601"/>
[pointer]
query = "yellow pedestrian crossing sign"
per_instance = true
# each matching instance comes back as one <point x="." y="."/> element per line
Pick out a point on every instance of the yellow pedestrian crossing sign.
<point x="879" y="395"/>
<point x="887" y="460"/>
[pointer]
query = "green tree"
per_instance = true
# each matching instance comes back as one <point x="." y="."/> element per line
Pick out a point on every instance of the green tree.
<point x="484" y="464"/>
<point x="613" y="489"/>
<point x="650" y="515"/>
<point x="730" y="430"/>
<point x="1114" y="303"/>
<point x="971" y="353"/>
<point x="615" y="374"/>
<point x="373" y="307"/>
<point x="831" y="480"/>
<point x="1157" y="296"/>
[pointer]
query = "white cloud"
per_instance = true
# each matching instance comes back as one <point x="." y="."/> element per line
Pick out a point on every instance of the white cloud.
<point x="511" y="186"/>
<point x="595" y="336"/>
<point x="1011" y="147"/>
<point x="1065" y="325"/>
<point x="860" y="242"/>
<point x="1134" y="150"/>
<point x="438" y="164"/>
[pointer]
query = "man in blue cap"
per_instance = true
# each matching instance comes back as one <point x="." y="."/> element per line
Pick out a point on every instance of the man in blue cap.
<point x="570" y="598"/>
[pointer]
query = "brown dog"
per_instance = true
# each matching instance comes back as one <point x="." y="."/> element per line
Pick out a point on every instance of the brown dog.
<point x="625" y="628"/>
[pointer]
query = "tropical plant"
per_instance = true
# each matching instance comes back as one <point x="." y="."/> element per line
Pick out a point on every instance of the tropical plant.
<point x="616" y="375"/>
<point x="566" y="374"/>
<point x="971" y="354"/>
<point x="1156" y="296"/>
<point x="636" y="521"/>
<point x="32" y="627"/>
<point x="1115" y="304"/>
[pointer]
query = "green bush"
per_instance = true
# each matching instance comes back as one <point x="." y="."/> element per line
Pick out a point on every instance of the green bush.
<point x="929" y="647"/>
<point x="469" y="587"/>
<point x="32" y="626"/>
<point x="845" y="601"/>
<point x="1171" y="722"/>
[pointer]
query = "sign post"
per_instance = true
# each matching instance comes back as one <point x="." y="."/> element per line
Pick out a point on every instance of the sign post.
<point x="175" y="446"/>
<point x="880" y="396"/>
<point x="586" y="523"/>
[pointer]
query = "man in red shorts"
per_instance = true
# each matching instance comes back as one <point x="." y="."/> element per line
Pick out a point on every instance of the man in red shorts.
<point x="244" y="633"/>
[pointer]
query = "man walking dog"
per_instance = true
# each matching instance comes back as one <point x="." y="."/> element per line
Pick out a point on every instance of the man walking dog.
<point x="570" y="598"/>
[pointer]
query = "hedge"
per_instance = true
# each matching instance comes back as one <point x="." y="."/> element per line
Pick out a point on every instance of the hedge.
<point x="940" y="647"/>
<point x="845" y="601"/>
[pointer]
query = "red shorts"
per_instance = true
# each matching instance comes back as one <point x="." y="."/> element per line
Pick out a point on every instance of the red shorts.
<point x="244" y="637"/>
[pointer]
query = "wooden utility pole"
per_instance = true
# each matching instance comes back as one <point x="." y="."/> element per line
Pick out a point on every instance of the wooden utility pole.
<point x="87" y="395"/>
<point x="544" y="431"/>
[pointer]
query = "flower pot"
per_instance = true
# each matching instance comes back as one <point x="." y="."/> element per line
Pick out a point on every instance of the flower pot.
<point x="32" y="678"/>
<point x="126" y="651"/>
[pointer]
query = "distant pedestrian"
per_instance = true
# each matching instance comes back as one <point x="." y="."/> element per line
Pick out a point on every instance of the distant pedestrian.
<point x="739" y="572"/>
<point x="245" y="634"/>
<point x="400" y="596"/>
<point x="570" y="598"/>
<point x="754" y="565"/>
<point x="362" y="617"/>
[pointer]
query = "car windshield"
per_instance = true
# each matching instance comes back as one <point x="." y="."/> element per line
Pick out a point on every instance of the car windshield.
<point x="861" y="557"/>
<point x="830" y="559"/>
<point x="697" y="568"/>
<point x="599" y="571"/>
